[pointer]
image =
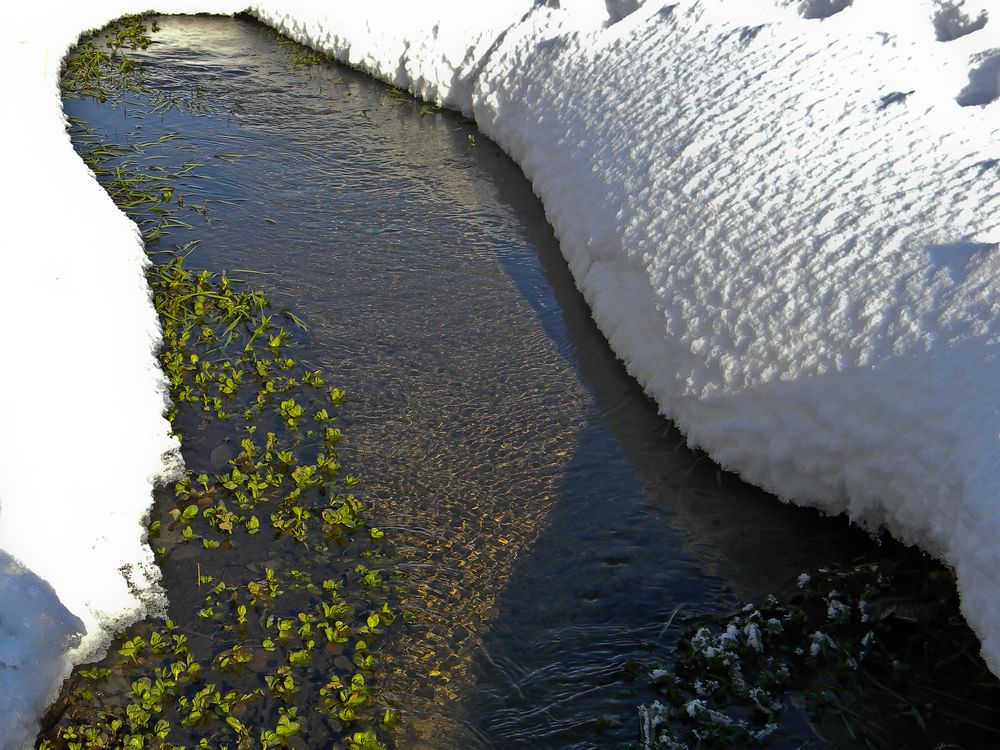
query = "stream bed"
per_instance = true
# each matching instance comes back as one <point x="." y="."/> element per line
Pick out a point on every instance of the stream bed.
<point x="549" y="523"/>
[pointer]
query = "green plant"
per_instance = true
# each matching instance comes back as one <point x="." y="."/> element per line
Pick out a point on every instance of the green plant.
<point x="230" y="375"/>
<point x="886" y="665"/>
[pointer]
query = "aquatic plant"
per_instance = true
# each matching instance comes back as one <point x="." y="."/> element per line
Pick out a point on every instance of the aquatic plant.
<point x="285" y="645"/>
<point x="299" y="55"/>
<point x="99" y="67"/>
<point x="876" y="652"/>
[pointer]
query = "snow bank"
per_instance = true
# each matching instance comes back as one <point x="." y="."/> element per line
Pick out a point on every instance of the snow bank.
<point x="788" y="232"/>
<point x="433" y="49"/>
<point x="783" y="213"/>
<point x="784" y="216"/>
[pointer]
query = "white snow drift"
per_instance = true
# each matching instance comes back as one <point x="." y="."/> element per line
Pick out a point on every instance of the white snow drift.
<point x="785" y="215"/>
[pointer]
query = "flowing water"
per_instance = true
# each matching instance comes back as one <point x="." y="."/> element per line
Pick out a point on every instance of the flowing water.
<point x="548" y="520"/>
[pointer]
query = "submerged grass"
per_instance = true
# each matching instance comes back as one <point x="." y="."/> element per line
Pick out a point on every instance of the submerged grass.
<point x="299" y="55"/>
<point x="285" y="590"/>
<point x="99" y="66"/>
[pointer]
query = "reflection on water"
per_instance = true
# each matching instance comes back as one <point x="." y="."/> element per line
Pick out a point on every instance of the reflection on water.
<point x="548" y="520"/>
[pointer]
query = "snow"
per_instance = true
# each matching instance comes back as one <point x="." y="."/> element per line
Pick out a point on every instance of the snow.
<point x="783" y="214"/>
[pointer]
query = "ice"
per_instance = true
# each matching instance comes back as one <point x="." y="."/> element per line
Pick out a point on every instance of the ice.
<point x="783" y="214"/>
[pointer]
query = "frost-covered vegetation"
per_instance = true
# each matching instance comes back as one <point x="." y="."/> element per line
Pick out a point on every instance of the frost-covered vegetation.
<point x="876" y="654"/>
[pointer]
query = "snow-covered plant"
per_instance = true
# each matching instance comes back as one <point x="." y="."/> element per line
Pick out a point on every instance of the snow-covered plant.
<point x="846" y="642"/>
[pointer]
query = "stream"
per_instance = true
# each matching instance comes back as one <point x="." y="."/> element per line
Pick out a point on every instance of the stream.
<point x="549" y="522"/>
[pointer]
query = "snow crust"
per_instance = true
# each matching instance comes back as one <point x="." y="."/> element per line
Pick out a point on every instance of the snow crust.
<point x="783" y="213"/>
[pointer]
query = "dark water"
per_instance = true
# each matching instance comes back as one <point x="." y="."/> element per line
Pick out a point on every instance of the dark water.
<point x="550" y="522"/>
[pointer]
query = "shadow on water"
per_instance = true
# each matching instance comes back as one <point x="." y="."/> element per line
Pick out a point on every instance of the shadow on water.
<point x="641" y="527"/>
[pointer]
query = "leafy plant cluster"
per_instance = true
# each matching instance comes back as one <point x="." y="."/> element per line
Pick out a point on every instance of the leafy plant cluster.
<point x="99" y="67"/>
<point x="877" y="668"/>
<point x="257" y="679"/>
<point x="275" y="636"/>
